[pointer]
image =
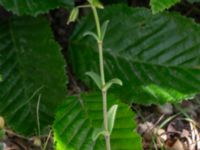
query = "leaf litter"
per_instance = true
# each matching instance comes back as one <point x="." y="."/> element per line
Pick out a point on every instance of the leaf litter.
<point x="170" y="126"/>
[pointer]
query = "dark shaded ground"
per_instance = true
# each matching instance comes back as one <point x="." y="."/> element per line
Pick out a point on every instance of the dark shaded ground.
<point x="173" y="127"/>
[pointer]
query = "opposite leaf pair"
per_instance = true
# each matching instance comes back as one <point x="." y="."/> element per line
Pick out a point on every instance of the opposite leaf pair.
<point x="111" y="121"/>
<point x="97" y="80"/>
<point x="75" y="11"/>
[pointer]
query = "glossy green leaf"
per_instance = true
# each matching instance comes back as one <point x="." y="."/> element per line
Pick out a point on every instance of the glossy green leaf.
<point x="78" y="118"/>
<point x="34" y="7"/>
<point x="73" y="15"/>
<point x="161" y="5"/>
<point x="32" y="67"/>
<point x="157" y="57"/>
<point x="111" y="117"/>
<point x="95" y="77"/>
<point x="111" y="82"/>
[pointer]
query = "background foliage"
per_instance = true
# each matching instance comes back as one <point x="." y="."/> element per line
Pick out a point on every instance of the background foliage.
<point x="25" y="61"/>
<point x="34" y="7"/>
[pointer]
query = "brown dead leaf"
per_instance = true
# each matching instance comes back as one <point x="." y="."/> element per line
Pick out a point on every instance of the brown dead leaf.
<point x="177" y="145"/>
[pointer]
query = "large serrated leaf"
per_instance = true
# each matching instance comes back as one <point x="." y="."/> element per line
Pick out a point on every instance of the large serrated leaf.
<point x="32" y="68"/>
<point x="34" y="7"/>
<point x="77" y="119"/>
<point x="160" y="5"/>
<point x="157" y="57"/>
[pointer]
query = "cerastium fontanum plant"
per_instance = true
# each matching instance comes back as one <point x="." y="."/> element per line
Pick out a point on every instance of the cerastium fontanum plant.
<point x="108" y="116"/>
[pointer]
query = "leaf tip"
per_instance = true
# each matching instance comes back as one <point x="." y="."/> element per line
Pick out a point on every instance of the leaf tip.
<point x="73" y="15"/>
<point x="95" y="77"/>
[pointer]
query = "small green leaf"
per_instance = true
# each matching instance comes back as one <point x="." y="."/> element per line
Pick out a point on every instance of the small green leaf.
<point x="73" y="15"/>
<point x="1" y="78"/>
<point x="96" y="3"/>
<point x="111" y="82"/>
<point x="104" y="28"/>
<point x="95" y="77"/>
<point x="111" y="117"/>
<point x="97" y="132"/>
<point x="91" y="34"/>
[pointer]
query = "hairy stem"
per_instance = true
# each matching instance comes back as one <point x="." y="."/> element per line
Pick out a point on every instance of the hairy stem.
<point x="96" y="21"/>
<point x="104" y="92"/>
<point x="101" y="66"/>
<point x="105" y="116"/>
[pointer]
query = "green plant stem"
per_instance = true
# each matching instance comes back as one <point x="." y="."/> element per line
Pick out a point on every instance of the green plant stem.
<point x="105" y="116"/>
<point x="104" y="92"/>
<point x="96" y="21"/>
<point x="100" y="47"/>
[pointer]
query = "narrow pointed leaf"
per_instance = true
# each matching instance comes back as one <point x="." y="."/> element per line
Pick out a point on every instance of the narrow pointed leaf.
<point x="103" y="29"/>
<point x="73" y="15"/>
<point x="78" y="118"/>
<point x="154" y="56"/>
<point x="111" y="82"/>
<point x="111" y="117"/>
<point x="91" y="34"/>
<point x="95" y="77"/>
